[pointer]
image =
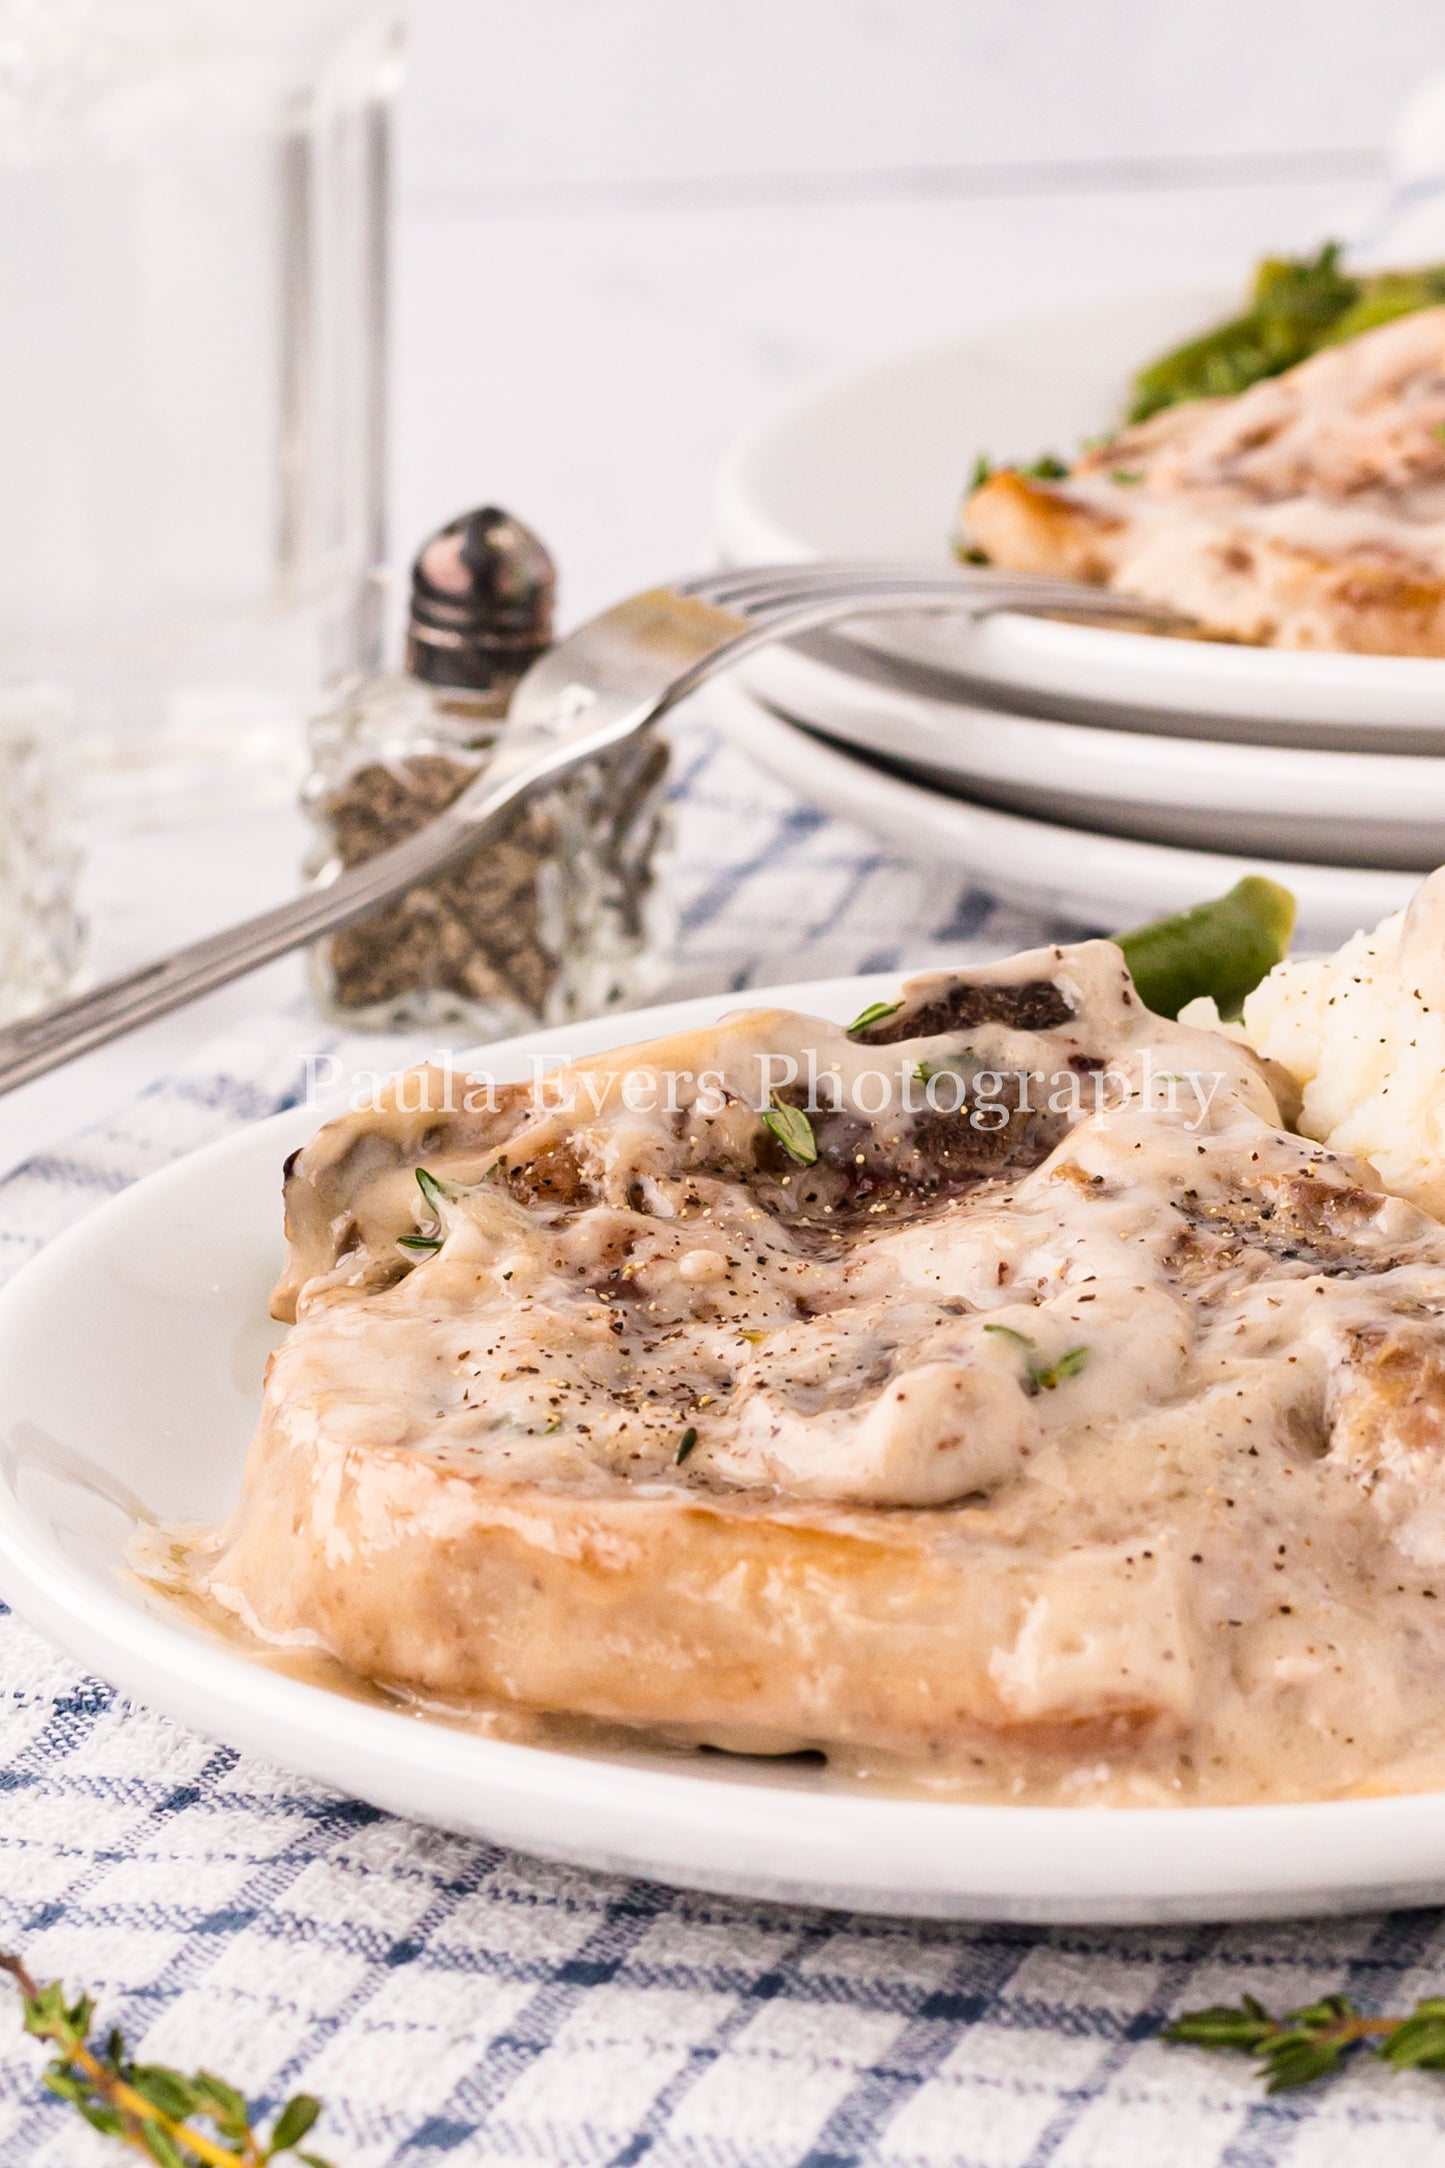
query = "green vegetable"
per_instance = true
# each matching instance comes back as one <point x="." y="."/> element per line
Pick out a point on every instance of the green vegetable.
<point x="1045" y="1376"/>
<point x="1293" y="306"/>
<point x="176" y="2120"/>
<point x="1310" y="2042"/>
<point x="1297" y="306"/>
<point x="1048" y="468"/>
<point x="436" y="1192"/>
<point x="1007" y="1332"/>
<point x="1222" y="948"/>
<point x="1039" y="1376"/>
<point x="793" y="1130"/>
<point x="1384" y="297"/>
<point x="873" y="1014"/>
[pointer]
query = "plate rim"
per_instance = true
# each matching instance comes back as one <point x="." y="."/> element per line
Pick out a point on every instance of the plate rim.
<point x="754" y="725"/>
<point x="1210" y="761"/>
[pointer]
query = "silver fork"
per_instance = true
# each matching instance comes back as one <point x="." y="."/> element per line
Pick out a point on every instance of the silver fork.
<point x="608" y="680"/>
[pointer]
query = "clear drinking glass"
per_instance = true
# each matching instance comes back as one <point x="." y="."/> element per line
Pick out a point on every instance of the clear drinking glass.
<point x="193" y="215"/>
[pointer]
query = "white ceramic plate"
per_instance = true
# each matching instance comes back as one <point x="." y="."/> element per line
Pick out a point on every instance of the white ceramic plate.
<point x="873" y="464"/>
<point x="1289" y="801"/>
<point x="130" y="1366"/>
<point x="1100" y="880"/>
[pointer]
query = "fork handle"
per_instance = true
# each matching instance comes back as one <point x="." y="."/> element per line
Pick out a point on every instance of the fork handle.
<point x="40" y="1043"/>
<point x="567" y="723"/>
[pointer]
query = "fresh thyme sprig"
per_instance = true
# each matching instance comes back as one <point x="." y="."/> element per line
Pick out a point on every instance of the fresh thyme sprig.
<point x="148" y="2106"/>
<point x="1312" y="2041"/>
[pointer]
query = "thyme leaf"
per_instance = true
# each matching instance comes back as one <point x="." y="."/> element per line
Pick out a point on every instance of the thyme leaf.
<point x="1047" y="1375"/>
<point x="1006" y="1332"/>
<point x="1039" y="1376"/>
<point x="294" y="2122"/>
<point x="150" y="2107"/>
<point x="873" y="1014"/>
<point x="436" y="1192"/>
<point x="1048" y="468"/>
<point x="685" y="1444"/>
<point x="793" y="1130"/>
<point x="982" y="469"/>
<point x="1311" y="2042"/>
<point x="1418" y="2042"/>
<point x="925" y="1071"/>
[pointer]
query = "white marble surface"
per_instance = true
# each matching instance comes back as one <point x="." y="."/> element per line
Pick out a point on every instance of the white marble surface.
<point x="624" y="233"/>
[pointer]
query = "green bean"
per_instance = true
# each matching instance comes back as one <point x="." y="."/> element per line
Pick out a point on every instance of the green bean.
<point x="1223" y="948"/>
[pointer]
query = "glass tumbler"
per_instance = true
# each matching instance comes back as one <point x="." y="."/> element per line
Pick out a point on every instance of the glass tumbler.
<point x="193" y="217"/>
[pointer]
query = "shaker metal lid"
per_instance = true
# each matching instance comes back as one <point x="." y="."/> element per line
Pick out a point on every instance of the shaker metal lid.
<point x="482" y="596"/>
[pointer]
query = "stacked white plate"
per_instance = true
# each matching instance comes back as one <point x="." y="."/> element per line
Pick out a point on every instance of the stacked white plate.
<point x="1087" y="768"/>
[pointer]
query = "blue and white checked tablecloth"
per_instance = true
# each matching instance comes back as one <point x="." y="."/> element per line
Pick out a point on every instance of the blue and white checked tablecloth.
<point x="453" y="2003"/>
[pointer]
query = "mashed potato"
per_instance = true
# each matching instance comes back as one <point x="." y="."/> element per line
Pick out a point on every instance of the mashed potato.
<point x="1363" y="1034"/>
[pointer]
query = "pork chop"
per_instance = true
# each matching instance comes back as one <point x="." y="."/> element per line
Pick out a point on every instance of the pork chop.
<point x="1306" y="512"/>
<point x="994" y="1396"/>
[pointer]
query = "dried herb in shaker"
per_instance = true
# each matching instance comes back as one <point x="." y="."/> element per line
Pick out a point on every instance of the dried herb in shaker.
<point x="561" y="914"/>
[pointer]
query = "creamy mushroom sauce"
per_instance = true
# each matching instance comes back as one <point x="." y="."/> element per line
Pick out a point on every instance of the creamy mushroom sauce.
<point x="1073" y="1456"/>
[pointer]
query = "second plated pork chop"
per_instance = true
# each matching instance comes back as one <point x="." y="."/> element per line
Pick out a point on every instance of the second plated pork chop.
<point x="1307" y="512"/>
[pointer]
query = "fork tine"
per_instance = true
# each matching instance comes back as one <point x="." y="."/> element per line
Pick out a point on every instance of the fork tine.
<point x="747" y="586"/>
<point x="753" y="590"/>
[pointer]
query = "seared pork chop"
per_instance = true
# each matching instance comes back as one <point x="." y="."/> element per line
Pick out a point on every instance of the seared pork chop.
<point x="1030" y="1412"/>
<point x="1306" y="512"/>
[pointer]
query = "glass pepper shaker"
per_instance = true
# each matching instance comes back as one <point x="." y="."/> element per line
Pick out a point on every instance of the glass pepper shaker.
<point x="559" y="916"/>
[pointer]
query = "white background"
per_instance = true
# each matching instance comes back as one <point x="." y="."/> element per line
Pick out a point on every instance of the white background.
<point x="627" y="228"/>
